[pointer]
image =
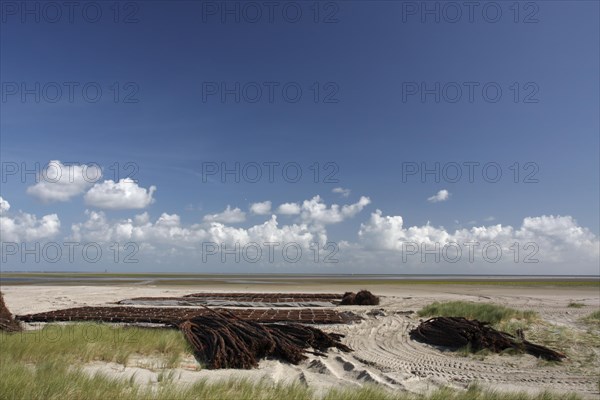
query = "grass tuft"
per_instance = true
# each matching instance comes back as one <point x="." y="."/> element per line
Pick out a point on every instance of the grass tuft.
<point x="85" y="342"/>
<point x="593" y="318"/>
<point x="494" y="314"/>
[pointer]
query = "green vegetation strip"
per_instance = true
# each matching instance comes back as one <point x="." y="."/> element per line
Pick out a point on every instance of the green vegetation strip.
<point x="494" y="314"/>
<point x="54" y="381"/>
<point x="85" y="342"/>
<point x="593" y="318"/>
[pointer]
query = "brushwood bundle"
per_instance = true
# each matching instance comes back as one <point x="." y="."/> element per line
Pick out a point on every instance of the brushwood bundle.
<point x="7" y="323"/>
<point x="457" y="332"/>
<point x="362" y="298"/>
<point x="222" y="340"/>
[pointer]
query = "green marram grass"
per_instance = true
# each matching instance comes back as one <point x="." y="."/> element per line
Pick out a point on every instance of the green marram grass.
<point x="54" y="380"/>
<point x="593" y="318"/>
<point x="51" y="380"/>
<point x="492" y="313"/>
<point x="85" y="342"/>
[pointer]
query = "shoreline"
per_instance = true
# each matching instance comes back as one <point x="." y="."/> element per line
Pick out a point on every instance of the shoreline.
<point x="102" y="279"/>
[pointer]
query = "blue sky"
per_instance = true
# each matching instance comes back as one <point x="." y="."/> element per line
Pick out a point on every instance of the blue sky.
<point x="368" y="61"/>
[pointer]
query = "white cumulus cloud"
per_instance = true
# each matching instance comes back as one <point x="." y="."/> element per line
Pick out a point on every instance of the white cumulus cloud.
<point x="556" y="238"/>
<point x="4" y="205"/>
<point x="288" y="209"/>
<point x="24" y="227"/>
<point x="59" y="182"/>
<point x="442" y="195"/>
<point x="261" y="208"/>
<point x="340" y="190"/>
<point x="315" y="211"/>
<point x="168" y="230"/>
<point x="229" y="216"/>
<point x="122" y="195"/>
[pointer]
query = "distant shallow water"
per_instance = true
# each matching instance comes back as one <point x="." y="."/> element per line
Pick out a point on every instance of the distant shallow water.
<point x="266" y="279"/>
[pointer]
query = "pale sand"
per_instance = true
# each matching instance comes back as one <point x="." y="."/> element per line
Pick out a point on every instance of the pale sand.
<point x="383" y="353"/>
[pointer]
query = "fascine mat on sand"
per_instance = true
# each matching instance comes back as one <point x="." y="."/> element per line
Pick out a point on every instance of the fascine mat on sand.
<point x="175" y="315"/>
<point x="222" y="338"/>
<point x="235" y="338"/>
<point x="241" y="300"/>
<point x="383" y="352"/>
<point x="253" y="300"/>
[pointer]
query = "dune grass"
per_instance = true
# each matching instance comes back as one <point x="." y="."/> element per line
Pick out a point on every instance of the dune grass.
<point x="85" y="342"/>
<point x="494" y="314"/>
<point x="595" y="315"/>
<point x="575" y="305"/>
<point x="52" y="380"/>
<point x="593" y="318"/>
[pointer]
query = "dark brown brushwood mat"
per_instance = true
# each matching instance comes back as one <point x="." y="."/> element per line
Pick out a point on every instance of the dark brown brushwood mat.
<point x="164" y="315"/>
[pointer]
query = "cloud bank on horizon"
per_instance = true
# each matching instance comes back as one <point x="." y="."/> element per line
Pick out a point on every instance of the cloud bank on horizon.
<point x="382" y="243"/>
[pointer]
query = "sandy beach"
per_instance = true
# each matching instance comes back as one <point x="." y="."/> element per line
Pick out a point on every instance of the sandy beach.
<point x="383" y="352"/>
